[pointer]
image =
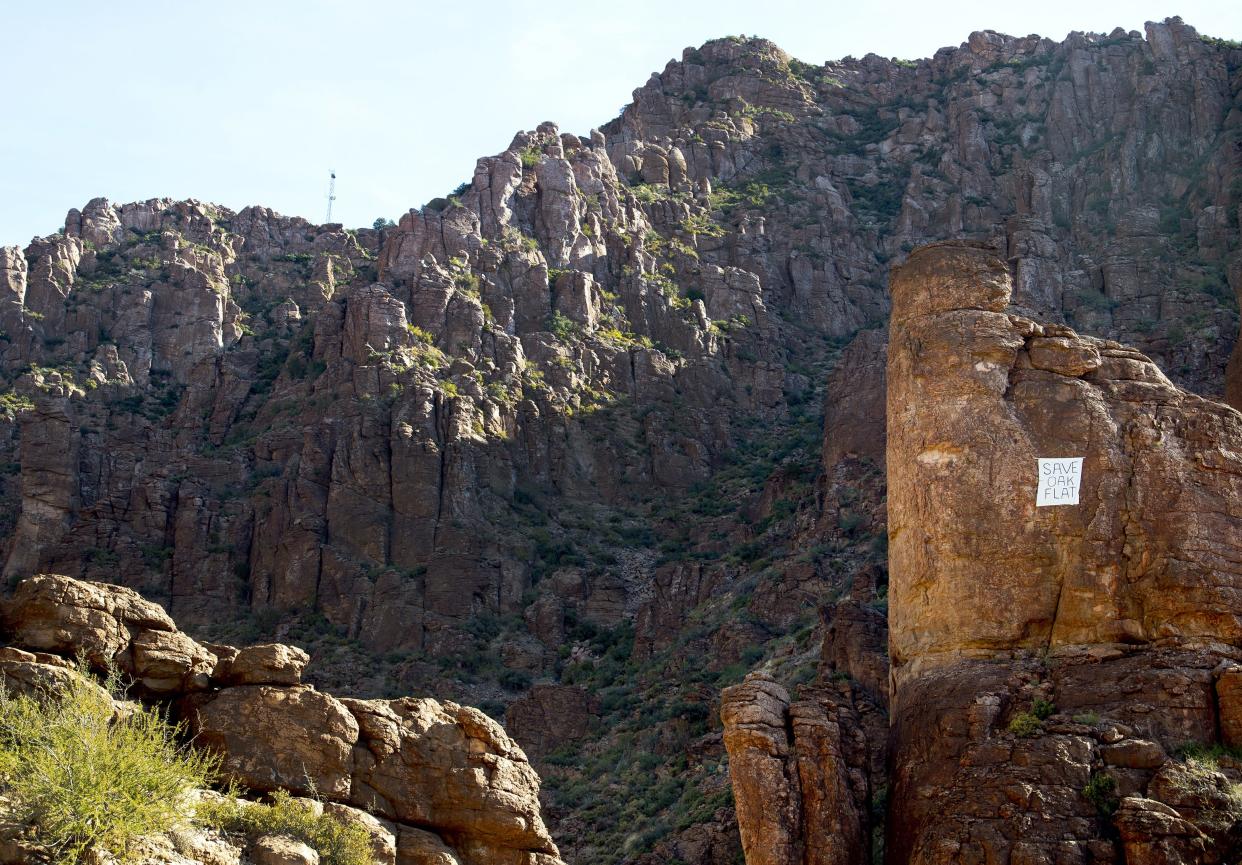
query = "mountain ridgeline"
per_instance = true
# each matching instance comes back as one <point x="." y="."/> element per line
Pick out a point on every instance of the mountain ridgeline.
<point x="594" y="436"/>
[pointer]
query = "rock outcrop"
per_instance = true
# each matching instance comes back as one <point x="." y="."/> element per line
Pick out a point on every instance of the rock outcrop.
<point x="445" y="776"/>
<point x="854" y="401"/>
<point x="549" y="716"/>
<point x="1047" y="660"/>
<point x="804" y="773"/>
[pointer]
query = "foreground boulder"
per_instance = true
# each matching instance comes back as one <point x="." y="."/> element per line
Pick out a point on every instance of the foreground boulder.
<point x="1045" y="659"/>
<point x="271" y="738"/>
<point x="453" y="787"/>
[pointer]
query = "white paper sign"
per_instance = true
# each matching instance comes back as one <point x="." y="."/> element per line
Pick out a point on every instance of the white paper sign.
<point x="1059" y="481"/>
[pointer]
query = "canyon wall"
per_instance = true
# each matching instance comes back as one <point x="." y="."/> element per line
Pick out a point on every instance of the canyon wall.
<point x="562" y="426"/>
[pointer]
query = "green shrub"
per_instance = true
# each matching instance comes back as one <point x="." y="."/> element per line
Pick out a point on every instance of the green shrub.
<point x="12" y="404"/>
<point x="1209" y="754"/>
<point x="1042" y="709"/>
<point x="1101" y="791"/>
<point x="648" y="193"/>
<point x="85" y="782"/>
<point x="530" y="156"/>
<point x="1025" y="724"/>
<point x="420" y="334"/>
<point x="562" y="326"/>
<point x="466" y="282"/>
<point x="337" y="842"/>
<point x="514" y="680"/>
<point x="701" y="224"/>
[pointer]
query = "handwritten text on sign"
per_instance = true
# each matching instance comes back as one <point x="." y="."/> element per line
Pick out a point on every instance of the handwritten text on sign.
<point x="1059" y="481"/>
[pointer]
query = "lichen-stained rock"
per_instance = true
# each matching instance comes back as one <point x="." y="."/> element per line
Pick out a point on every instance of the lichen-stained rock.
<point x="432" y="763"/>
<point x="268" y="737"/>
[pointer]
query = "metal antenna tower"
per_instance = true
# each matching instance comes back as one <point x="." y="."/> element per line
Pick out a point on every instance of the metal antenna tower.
<point x="331" y="195"/>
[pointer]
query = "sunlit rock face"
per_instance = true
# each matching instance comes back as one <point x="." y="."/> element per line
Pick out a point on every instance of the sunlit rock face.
<point x="1113" y="620"/>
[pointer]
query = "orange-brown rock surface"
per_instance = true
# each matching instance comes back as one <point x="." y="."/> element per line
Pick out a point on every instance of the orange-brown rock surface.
<point x="802" y="771"/>
<point x="1152" y="554"/>
<point x="1037" y="651"/>
<point x="447" y="775"/>
<point x="579" y="397"/>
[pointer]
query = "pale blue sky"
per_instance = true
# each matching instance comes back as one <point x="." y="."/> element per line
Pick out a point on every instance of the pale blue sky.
<point x="253" y="102"/>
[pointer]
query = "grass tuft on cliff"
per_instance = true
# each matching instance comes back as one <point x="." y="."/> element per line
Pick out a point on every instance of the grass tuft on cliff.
<point x="85" y="781"/>
<point x="337" y="842"/>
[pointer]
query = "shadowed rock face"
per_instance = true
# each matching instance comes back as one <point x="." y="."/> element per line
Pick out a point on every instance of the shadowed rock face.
<point x="1126" y="606"/>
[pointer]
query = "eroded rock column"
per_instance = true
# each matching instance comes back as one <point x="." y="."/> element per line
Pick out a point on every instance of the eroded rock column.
<point x="800" y="772"/>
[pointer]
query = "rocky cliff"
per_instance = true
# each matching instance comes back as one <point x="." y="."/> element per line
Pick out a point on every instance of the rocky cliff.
<point x="1047" y="661"/>
<point x="563" y="427"/>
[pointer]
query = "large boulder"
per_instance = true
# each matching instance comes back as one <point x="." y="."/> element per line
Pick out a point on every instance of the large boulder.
<point x="57" y="614"/>
<point x="107" y="626"/>
<point x="265" y="664"/>
<point x="431" y="763"/>
<point x="294" y="738"/>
